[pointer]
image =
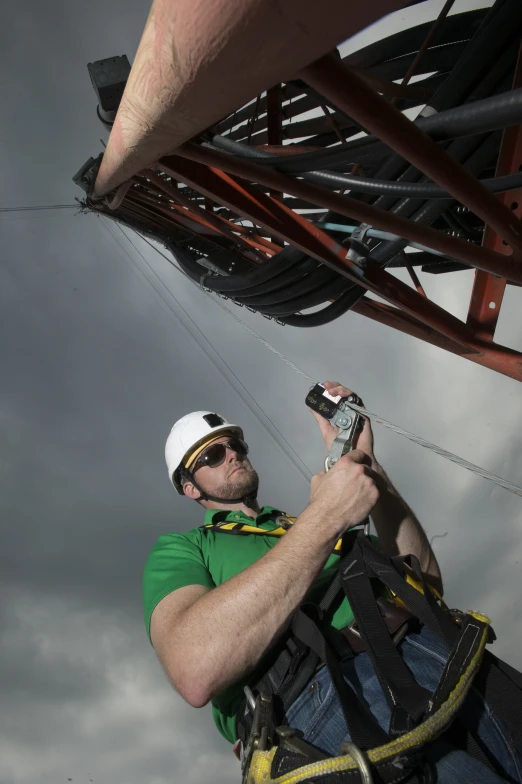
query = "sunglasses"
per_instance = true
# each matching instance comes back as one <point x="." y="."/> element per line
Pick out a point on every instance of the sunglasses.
<point x="216" y="453"/>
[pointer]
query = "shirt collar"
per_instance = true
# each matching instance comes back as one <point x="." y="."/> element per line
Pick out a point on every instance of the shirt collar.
<point x="265" y="517"/>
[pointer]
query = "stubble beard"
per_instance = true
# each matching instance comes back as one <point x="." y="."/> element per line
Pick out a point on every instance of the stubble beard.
<point x="240" y="484"/>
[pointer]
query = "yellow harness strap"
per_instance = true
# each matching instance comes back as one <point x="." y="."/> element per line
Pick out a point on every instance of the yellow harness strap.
<point x="260" y="768"/>
<point x="244" y="529"/>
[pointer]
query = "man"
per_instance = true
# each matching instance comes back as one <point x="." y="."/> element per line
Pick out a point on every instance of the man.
<point x="216" y="606"/>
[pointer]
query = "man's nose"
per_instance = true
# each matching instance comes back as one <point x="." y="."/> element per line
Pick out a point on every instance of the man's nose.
<point x="231" y="456"/>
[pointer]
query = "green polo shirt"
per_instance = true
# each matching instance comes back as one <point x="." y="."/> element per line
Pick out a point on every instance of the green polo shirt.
<point x="209" y="558"/>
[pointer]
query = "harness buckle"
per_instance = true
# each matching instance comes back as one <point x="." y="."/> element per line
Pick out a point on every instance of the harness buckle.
<point x="293" y="742"/>
<point x="261" y="736"/>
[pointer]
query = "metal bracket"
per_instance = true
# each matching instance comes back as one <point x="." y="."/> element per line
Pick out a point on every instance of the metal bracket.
<point x="349" y="424"/>
<point x="358" y="250"/>
<point x="263" y="728"/>
<point x="360" y="232"/>
<point x="86" y="176"/>
<point x="292" y="742"/>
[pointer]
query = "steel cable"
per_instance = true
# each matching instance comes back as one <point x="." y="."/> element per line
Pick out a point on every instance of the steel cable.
<point x="359" y="409"/>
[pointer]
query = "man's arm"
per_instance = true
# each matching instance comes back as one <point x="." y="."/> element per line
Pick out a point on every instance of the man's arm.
<point x="399" y="531"/>
<point x="207" y="640"/>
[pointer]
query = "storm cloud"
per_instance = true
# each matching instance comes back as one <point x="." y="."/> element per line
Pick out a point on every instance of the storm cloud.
<point x="97" y="364"/>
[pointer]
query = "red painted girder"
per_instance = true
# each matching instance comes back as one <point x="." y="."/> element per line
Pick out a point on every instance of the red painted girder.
<point x="205" y="217"/>
<point x="482" y="258"/>
<point x="488" y="290"/>
<point x="331" y="78"/>
<point x="296" y="230"/>
<point x="488" y="354"/>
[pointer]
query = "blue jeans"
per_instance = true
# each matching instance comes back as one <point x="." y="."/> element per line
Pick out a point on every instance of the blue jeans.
<point x="318" y="715"/>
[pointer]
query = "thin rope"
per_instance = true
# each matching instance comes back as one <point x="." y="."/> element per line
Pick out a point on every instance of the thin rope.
<point x="221" y="304"/>
<point x="213" y="354"/>
<point x="261" y="340"/>
<point x="40" y="207"/>
<point x="374" y="417"/>
<point x="438" y="450"/>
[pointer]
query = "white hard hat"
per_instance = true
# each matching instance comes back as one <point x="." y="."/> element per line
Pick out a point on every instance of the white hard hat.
<point x="189" y="435"/>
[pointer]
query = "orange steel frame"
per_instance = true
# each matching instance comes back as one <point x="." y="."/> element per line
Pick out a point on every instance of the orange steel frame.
<point x="225" y="181"/>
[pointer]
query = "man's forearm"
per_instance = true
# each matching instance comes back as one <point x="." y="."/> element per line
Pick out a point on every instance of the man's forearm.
<point x="399" y="531"/>
<point x="225" y="633"/>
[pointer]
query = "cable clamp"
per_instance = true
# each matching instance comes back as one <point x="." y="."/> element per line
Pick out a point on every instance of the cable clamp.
<point x="358" y="251"/>
<point x="360" y="232"/>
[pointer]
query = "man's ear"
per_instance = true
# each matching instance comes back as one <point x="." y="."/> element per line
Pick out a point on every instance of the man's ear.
<point x="191" y="491"/>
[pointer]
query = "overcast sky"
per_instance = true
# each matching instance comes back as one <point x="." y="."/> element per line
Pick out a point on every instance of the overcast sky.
<point x="97" y="365"/>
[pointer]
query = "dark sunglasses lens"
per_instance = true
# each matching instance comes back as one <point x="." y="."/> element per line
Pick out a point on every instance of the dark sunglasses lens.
<point x="238" y="446"/>
<point x="214" y="455"/>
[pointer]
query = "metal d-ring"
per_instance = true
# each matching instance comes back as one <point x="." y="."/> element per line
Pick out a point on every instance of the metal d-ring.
<point x="284" y="522"/>
<point x="362" y="763"/>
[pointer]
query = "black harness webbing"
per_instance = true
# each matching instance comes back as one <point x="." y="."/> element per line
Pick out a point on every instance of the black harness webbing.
<point x="407" y="700"/>
<point x="310" y="643"/>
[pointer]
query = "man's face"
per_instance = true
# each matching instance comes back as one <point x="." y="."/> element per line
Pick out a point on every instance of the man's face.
<point x="234" y="478"/>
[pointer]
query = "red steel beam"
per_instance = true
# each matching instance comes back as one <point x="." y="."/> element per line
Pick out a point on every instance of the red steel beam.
<point x="413" y="274"/>
<point x="498" y="358"/>
<point x="488" y="290"/>
<point x="331" y="78"/>
<point x="180" y="214"/>
<point x="150" y="219"/>
<point x="419" y="317"/>
<point x="205" y="217"/>
<point x="434" y="29"/>
<point x="173" y="213"/>
<point x="198" y="60"/>
<point x="296" y="230"/>
<point x="482" y="258"/>
<point x="137" y="210"/>
<point x="145" y="208"/>
<point x="411" y="92"/>
<point x="287" y="149"/>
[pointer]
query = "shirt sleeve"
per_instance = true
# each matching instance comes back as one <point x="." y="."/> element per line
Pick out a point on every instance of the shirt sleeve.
<point x="175" y="560"/>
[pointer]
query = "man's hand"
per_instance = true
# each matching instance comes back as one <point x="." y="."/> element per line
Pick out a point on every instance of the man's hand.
<point x="364" y="441"/>
<point x="345" y="495"/>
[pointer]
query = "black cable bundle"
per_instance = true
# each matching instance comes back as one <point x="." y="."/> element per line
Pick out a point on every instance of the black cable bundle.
<point x="473" y="61"/>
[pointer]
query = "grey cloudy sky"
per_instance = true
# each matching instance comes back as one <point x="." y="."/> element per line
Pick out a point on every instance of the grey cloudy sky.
<point x="96" y="366"/>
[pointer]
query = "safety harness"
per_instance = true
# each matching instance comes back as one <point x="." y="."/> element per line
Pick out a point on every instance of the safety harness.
<point x="274" y="754"/>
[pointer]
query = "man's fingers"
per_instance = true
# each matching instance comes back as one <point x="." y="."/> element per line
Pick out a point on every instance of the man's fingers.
<point x="357" y="456"/>
<point x="334" y="388"/>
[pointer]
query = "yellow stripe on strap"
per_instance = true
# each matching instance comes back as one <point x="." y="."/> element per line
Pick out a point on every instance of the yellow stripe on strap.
<point x="244" y="528"/>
